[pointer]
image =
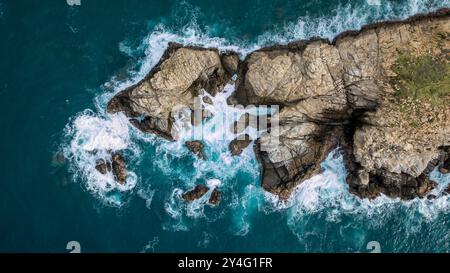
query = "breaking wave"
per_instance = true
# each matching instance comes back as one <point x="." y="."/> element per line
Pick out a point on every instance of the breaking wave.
<point x="93" y="134"/>
<point x="327" y="197"/>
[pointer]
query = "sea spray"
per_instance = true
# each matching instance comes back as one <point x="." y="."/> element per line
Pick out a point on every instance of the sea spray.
<point x="94" y="138"/>
<point x="325" y="194"/>
<point x="327" y="197"/>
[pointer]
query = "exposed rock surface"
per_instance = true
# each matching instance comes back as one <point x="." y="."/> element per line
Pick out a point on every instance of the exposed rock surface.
<point x="339" y="93"/>
<point x="117" y="165"/>
<point x="199" y="191"/>
<point x="196" y="147"/>
<point x="214" y="199"/>
<point x="243" y="122"/>
<point x="103" y="166"/>
<point x="238" y="145"/>
<point x="181" y="74"/>
<point x="346" y="85"/>
<point x="195" y="193"/>
<point x="445" y="163"/>
<point x="119" y="168"/>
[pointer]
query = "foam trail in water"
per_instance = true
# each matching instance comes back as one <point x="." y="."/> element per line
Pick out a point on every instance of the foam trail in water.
<point x="244" y="206"/>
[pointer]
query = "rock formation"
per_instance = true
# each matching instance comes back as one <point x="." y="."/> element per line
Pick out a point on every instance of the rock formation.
<point x="196" y="147"/>
<point x="195" y="193"/>
<point x="119" y="168"/>
<point x="103" y="166"/>
<point x="199" y="191"/>
<point x="444" y="166"/>
<point x="214" y="199"/>
<point x="182" y="74"/>
<point x="117" y="165"/>
<point x="238" y="145"/>
<point x="348" y="86"/>
<point x="381" y="94"/>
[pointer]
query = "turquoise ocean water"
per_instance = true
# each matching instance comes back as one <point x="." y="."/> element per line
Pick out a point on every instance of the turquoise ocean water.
<point x="60" y="64"/>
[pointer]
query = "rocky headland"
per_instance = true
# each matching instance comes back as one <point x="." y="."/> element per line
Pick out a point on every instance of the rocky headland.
<point x="380" y="94"/>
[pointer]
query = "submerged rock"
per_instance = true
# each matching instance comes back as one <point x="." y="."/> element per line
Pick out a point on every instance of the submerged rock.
<point x="58" y="159"/>
<point x="196" y="147"/>
<point x="195" y="193"/>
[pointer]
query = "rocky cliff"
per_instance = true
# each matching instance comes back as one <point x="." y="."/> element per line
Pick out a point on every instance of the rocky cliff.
<point x="381" y="94"/>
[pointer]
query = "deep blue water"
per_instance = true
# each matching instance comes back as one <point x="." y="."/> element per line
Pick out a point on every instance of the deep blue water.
<point x="57" y="61"/>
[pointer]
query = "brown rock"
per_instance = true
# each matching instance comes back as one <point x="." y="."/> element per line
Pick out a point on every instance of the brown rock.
<point x="236" y="146"/>
<point x="196" y="147"/>
<point x="445" y="166"/>
<point x="103" y="166"/>
<point x="244" y="121"/>
<point x="119" y="168"/>
<point x="150" y="125"/>
<point x="214" y="199"/>
<point x="346" y="84"/>
<point x="195" y="193"/>
<point x="230" y="62"/>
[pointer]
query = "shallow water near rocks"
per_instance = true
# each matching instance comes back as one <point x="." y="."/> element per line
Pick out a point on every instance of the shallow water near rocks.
<point x="60" y="66"/>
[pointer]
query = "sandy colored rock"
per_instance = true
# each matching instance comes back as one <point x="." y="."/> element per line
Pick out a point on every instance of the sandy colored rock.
<point x="181" y="74"/>
<point x="348" y="84"/>
<point x="341" y="93"/>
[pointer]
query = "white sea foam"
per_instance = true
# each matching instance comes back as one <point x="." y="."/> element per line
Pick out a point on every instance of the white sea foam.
<point x="220" y="168"/>
<point x="346" y="17"/>
<point x="213" y="183"/>
<point x="93" y="138"/>
<point x="99" y="131"/>
<point x="327" y="194"/>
